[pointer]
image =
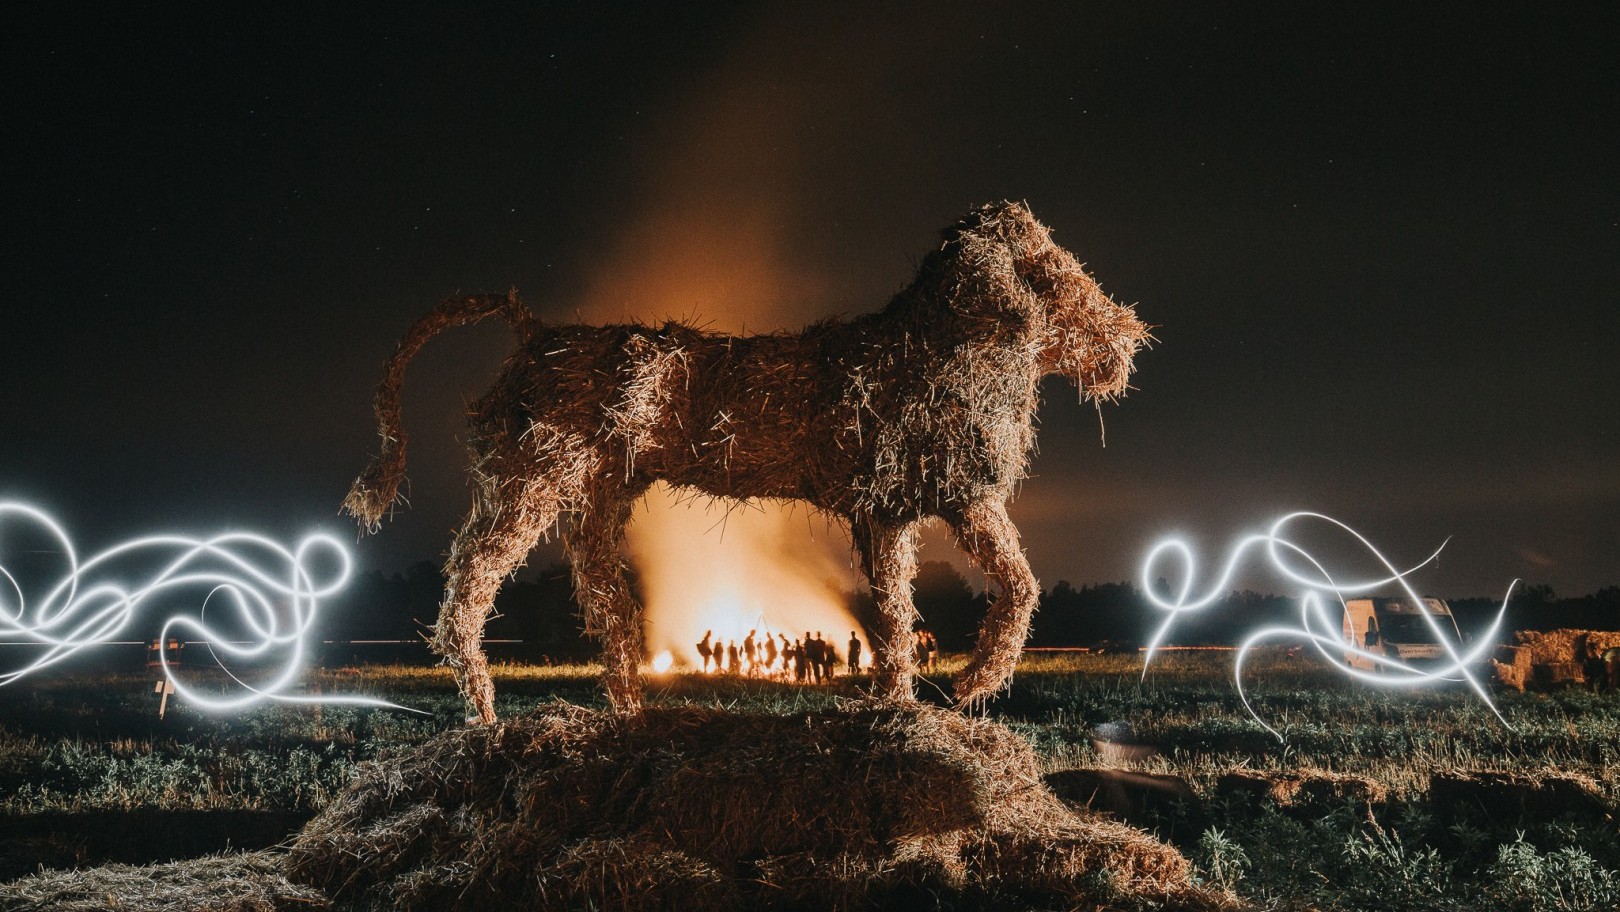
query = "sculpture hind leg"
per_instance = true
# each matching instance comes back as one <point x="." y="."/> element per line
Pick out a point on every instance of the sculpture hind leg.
<point x="505" y="523"/>
<point x="612" y="613"/>
<point x="889" y="557"/>
<point x="987" y="535"/>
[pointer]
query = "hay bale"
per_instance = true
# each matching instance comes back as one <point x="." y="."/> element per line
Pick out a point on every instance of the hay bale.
<point x="251" y="882"/>
<point x="1550" y="646"/>
<point x="67" y="839"/>
<point x="1539" y="793"/>
<point x="1321" y="787"/>
<point x="21" y="855"/>
<point x="1519" y="657"/>
<point x="1565" y="656"/>
<point x="1131" y="796"/>
<point x="1547" y="675"/>
<point x="1600" y="641"/>
<point x="1511" y="674"/>
<point x="1302" y="788"/>
<point x="702" y="808"/>
<point x="1511" y="666"/>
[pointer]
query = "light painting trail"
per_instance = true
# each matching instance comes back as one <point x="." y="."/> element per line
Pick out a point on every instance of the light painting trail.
<point x="272" y="594"/>
<point x="1317" y="624"/>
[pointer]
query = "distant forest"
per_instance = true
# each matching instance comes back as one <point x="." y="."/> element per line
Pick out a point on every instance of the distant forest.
<point x="542" y="614"/>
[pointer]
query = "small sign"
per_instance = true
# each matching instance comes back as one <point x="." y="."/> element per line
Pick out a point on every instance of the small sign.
<point x="166" y="688"/>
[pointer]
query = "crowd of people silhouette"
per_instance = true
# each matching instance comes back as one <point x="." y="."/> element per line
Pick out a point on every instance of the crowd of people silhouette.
<point x="806" y="660"/>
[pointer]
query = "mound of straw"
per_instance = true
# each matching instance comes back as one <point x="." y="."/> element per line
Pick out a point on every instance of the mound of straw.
<point x="923" y="410"/>
<point x="696" y="808"/>
<point x="250" y="882"/>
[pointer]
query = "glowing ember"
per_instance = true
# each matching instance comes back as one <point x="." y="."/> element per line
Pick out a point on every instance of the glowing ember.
<point x="662" y="661"/>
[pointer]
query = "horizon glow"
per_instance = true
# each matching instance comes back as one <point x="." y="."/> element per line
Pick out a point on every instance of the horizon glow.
<point x="236" y="570"/>
<point x="1316" y="624"/>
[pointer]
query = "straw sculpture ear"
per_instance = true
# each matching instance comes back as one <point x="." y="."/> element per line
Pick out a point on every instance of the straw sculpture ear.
<point x="990" y="289"/>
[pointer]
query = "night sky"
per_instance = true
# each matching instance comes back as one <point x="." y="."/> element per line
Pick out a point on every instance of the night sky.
<point x="1380" y="246"/>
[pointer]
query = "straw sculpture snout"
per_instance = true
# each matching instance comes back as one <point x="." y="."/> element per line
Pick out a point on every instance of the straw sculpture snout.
<point x="1096" y="344"/>
<point x="923" y="411"/>
<point x="1089" y="338"/>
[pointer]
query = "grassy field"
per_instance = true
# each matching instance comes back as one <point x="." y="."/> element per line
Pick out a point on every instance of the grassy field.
<point x="88" y="773"/>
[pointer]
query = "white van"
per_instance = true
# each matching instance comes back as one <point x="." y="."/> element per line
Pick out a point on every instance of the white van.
<point x="1397" y="628"/>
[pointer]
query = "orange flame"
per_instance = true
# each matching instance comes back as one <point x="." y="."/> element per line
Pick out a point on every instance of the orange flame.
<point x="757" y="569"/>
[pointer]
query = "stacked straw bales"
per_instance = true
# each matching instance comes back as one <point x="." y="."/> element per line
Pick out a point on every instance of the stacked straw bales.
<point x="692" y="808"/>
<point x="921" y="411"/>
<point x="1565" y="645"/>
<point x="1552" y="658"/>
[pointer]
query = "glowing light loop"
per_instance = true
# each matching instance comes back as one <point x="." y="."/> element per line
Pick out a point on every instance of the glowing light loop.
<point x="1317" y="625"/>
<point x="271" y="593"/>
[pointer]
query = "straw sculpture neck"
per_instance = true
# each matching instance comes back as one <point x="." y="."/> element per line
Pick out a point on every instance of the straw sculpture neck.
<point x="921" y="411"/>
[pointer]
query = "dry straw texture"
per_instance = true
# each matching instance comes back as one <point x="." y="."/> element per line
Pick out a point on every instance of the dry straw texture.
<point x="923" y="410"/>
<point x="1566" y="645"/>
<point x="1303" y="787"/>
<point x="220" y="883"/>
<point x="692" y="808"/>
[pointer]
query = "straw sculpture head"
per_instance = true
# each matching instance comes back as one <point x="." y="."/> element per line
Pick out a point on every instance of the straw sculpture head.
<point x="921" y="411"/>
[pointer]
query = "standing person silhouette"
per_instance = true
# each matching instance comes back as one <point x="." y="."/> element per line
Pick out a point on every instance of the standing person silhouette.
<point x="706" y="650"/>
<point x="800" y="660"/>
<point x="854" y="653"/>
<point x="751" y="653"/>
<point x="1371" y="640"/>
<point x="770" y="654"/>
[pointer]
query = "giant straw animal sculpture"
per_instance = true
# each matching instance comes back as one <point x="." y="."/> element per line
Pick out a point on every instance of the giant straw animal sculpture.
<point x="920" y="411"/>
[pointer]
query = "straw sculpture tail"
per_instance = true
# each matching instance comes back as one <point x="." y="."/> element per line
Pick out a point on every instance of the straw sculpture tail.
<point x="376" y="491"/>
<point x="923" y="411"/>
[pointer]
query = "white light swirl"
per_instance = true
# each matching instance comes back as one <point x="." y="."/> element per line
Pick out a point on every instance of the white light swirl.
<point x="271" y="592"/>
<point x="1298" y="566"/>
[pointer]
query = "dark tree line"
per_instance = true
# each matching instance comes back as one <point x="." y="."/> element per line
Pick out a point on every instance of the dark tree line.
<point x="1119" y="614"/>
<point x="1099" y="615"/>
<point x="1104" y="614"/>
<point x="542" y="613"/>
<point x="1537" y="607"/>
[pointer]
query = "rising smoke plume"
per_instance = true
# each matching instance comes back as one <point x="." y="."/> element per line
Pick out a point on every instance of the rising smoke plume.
<point x="723" y="184"/>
